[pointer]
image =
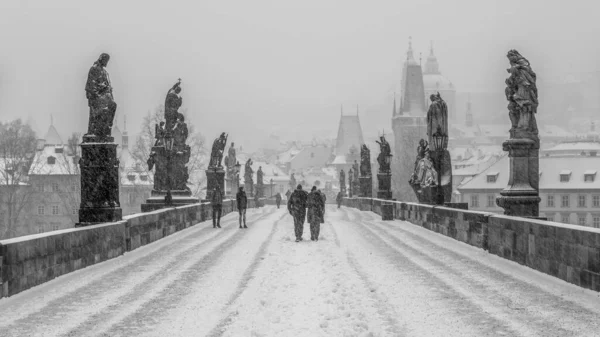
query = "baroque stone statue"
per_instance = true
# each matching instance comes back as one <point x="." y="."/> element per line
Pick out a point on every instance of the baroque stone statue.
<point x="259" y="176"/>
<point x="172" y="104"/>
<point x="100" y="99"/>
<point x="437" y="118"/>
<point x="218" y="148"/>
<point x="248" y="172"/>
<point x="384" y="152"/>
<point x="424" y="173"/>
<point x="365" y="161"/>
<point x="522" y="95"/>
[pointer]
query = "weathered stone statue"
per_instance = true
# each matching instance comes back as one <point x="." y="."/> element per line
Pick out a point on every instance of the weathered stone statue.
<point x="437" y="118"/>
<point x="169" y="157"/>
<point x="384" y="152"/>
<point x="100" y="99"/>
<point x="365" y="161"/>
<point x="231" y="157"/>
<point x="522" y="95"/>
<point x="172" y="104"/>
<point x="425" y="174"/>
<point x="218" y="148"/>
<point x="259" y="176"/>
<point x="248" y="174"/>
<point x="521" y="196"/>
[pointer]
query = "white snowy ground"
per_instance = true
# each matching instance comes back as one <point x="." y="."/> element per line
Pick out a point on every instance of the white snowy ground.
<point x="364" y="277"/>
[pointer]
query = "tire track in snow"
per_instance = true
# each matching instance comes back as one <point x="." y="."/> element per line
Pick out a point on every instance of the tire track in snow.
<point x="470" y="313"/>
<point x="543" y="309"/>
<point x="249" y="273"/>
<point x="112" y="284"/>
<point x="148" y="313"/>
<point x="383" y="308"/>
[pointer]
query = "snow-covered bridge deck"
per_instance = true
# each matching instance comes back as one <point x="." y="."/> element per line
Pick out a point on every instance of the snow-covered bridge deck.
<point x="364" y="277"/>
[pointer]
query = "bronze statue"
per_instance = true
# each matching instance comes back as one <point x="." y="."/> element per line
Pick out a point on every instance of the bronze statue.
<point x="365" y="161"/>
<point x="218" y="148"/>
<point x="172" y="103"/>
<point x="437" y="118"/>
<point x="522" y="95"/>
<point x="384" y="152"/>
<point x="100" y="99"/>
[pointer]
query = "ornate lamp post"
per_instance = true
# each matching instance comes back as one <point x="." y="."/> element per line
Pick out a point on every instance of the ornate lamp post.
<point x="440" y="143"/>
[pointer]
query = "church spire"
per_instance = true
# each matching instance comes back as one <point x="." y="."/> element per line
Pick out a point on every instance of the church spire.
<point x="409" y="54"/>
<point x="394" y="109"/>
<point x="431" y="66"/>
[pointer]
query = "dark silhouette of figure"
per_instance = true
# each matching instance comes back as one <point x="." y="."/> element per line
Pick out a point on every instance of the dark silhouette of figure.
<point x="217" y="207"/>
<point x="297" y="209"/>
<point x="314" y="205"/>
<point x="102" y="105"/>
<point x="242" y="205"/>
<point x="278" y="199"/>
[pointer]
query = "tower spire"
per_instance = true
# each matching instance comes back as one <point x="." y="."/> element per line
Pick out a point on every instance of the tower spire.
<point x="394" y="109"/>
<point x="124" y="122"/>
<point x="409" y="53"/>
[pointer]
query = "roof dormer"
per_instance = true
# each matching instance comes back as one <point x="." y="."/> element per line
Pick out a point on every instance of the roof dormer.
<point x="51" y="160"/>
<point x="492" y="177"/>
<point x="589" y="176"/>
<point x="565" y="176"/>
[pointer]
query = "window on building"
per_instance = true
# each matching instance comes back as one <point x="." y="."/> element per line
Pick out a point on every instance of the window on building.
<point x="550" y="201"/>
<point x="55" y="210"/>
<point x="143" y="177"/>
<point x="564" y="218"/>
<point x="41" y="210"/>
<point x="491" y="200"/>
<point x="51" y="160"/>
<point x="564" y="201"/>
<point x="589" y="175"/>
<point x="492" y="177"/>
<point x="581" y="220"/>
<point x="40" y="187"/>
<point x="581" y="200"/>
<point x="54" y="187"/>
<point x="474" y="200"/>
<point x="564" y="178"/>
<point x="596" y="222"/>
<point x="596" y="200"/>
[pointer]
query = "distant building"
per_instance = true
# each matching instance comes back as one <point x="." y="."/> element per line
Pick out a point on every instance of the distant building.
<point x="348" y="142"/>
<point x="569" y="188"/>
<point x="311" y="156"/>
<point x="434" y="82"/>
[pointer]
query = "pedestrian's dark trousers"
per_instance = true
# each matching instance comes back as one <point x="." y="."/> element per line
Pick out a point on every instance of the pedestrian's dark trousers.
<point x="216" y="214"/>
<point x="278" y="203"/>
<point x="315" y="228"/>
<point x="299" y="224"/>
<point x="339" y="204"/>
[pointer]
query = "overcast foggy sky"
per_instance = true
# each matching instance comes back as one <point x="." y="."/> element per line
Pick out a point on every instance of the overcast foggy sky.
<point x="254" y="66"/>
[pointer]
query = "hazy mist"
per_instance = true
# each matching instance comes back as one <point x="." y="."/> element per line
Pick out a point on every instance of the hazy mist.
<point x="254" y="67"/>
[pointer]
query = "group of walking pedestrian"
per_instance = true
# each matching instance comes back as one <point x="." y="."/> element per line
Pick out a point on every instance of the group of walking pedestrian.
<point x="299" y="202"/>
<point x="217" y="206"/>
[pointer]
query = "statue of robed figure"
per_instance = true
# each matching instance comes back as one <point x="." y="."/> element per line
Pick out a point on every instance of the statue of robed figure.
<point x="365" y="161"/>
<point x="218" y="147"/>
<point x="522" y="95"/>
<point x="100" y="99"/>
<point x="437" y="117"/>
<point x="384" y="152"/>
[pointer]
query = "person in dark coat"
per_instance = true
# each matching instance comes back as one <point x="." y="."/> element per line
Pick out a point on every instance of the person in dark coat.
<point x="314" y="202"/>
<point x="323" y="200"/>
<point x="278" y="199"/>
<point x="242" y="205"/>
<point x="217" y="206"/>
<point x="339" y="199"/>
<point x="297" y="207"/>
<point x="256" y="200"/>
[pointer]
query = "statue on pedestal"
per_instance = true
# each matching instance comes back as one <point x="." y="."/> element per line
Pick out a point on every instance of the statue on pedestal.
<point x="425" y="174"/>
<point x="522" y="95"/>
<point x="293" y="182"/>
<point x="365" y="161"/>
<point x="100" y="99"/>
<point x="259" y="176"/>
<point x="218" y="148"/>
<point x="172" y="104"/>
<point x="384" y="152"/>
<point x="437" y="117"/>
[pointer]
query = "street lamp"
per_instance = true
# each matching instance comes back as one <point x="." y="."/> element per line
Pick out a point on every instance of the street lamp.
<point x="440" y="143"/>
<point x="168" y="141"/>
<point x="271" y="187"/>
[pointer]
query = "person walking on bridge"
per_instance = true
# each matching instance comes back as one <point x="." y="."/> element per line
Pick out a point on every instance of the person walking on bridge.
<point x="339" y="199"/>
<point x="242" y="205"/>
<point x="217" y="206"/>
<point x="314" y="203"/>
<point x="278" y="199"/>
<point x="323" y="201"/>
<point x="297" y="207"/>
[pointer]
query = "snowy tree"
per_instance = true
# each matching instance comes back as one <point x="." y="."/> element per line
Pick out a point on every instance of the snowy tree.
<point x="199" y="156"/>
<point x="17" y="147"/>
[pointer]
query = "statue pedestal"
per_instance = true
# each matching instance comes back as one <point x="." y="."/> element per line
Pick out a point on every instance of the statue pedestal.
<point x="387" y="211"/>
<point x="99" y="169"/>
<point x="521" y="196"/>
<point x="214" y="176"/>
<point x="384" y="186"/>
<point x="260" y="191"/>
<point x="249" y="188"/>
<point x="366" y="186"/>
